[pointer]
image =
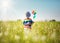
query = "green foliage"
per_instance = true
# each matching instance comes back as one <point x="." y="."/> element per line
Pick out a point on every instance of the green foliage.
<point x="41" y="32"/>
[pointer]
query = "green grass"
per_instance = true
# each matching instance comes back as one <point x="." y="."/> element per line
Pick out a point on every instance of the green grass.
<point x="41" y="32"/>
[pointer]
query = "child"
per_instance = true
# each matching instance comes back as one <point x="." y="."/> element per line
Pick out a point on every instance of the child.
<point x="28" y="21"/>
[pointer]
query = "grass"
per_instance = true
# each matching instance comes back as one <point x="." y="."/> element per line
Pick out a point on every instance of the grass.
<point x="41" y="32"/>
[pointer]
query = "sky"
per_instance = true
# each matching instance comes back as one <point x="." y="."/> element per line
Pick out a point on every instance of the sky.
<point x="16" y="9"/>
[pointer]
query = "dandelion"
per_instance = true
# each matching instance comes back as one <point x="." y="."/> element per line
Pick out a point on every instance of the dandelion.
<point x="15" y="28"/>
<point x="17" y="37"/>
<point x="53" y="35"/>
<point x="6" y="33"/>
<point x="0" y="34"/>
<point x="36" y="38"/>
<point x="43" y="38"/>
<point x="1" y="27"/>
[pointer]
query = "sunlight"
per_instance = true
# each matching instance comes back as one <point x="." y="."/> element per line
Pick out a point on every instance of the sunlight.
<point x="6" y="3"/>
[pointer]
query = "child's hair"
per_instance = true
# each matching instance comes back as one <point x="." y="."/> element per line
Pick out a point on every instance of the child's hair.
<point x="28" y="14"/>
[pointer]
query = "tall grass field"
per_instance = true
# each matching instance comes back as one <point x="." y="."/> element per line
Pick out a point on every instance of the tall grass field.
<point x="41" y="32"/>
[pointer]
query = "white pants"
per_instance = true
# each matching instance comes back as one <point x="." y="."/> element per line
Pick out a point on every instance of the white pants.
<point x="27" y="32"/>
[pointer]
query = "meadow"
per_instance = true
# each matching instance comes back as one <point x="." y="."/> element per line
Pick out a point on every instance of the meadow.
<point x="41" y="32"/>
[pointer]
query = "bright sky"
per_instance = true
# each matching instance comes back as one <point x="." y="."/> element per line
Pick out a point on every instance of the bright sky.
<point x="16" y="9"/>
